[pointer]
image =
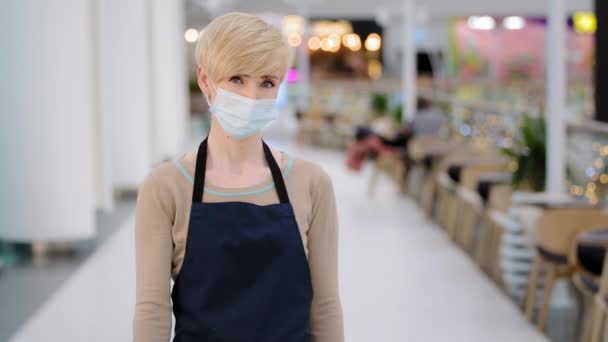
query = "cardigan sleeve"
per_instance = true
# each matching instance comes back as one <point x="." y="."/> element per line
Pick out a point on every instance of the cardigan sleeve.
<point x="153" y="249"/>
<point x="326" y="312"/>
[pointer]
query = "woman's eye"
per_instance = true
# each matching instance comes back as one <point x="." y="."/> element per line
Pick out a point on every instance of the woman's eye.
<point x="236" y="79"/>
<point x="267" y="84"/>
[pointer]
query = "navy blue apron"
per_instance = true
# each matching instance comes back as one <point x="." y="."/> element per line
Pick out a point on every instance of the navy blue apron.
<point x="245" y="276"/>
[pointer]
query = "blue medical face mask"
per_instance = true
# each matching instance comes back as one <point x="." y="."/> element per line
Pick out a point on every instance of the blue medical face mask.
<point x="241" y="116"/>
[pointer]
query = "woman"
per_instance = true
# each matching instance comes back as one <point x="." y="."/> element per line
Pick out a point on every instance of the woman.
<point x="248" y="234"/>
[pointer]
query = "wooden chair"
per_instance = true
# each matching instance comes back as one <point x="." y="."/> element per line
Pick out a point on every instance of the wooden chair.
<point x="429" y="192"/>
<point x="445" y="187"/>
<point x="470" y="208"/>
<point x="343" y="128"/>
<point x="600" y="306"/>
<point x="555" y="234"/>
<point x="503" y="257"/>
<point x="394" y="165"/>
<point x="506" y="255"/>
<point x="437" y="186"/>
<point x="311" y="124"/>
<point x="417" y="149"/>
<point x="391" y="164"/>
<point x="486" y="250"/>
<point x="466" y="205"/>
<point x="588" y="261"/>
<point x="473" y="205"/>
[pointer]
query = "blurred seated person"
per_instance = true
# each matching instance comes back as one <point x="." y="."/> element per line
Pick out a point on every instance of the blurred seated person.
<point x="427" y="121"/>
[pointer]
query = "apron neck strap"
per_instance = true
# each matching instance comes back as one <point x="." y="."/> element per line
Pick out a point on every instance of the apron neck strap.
<point x="201" y="166"/>
<point x="199" y="172"/>
<point x="277" y="176"/>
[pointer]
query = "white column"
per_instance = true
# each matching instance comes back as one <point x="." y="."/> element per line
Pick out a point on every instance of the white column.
<point x="169" y="77"/>
<point x="125" y="68"/>
<point x="104" y="181"/>
<point x="556" y="86"/>
<point x="303" y="59"/>
<point x="494" y="61"/>
<point x="46" y="121"/>
<point x="409" y="59"/>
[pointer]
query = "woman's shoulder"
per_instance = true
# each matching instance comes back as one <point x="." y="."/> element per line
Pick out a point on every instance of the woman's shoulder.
<point x="162" y="177"/>
<point x="157" y="193"/>
<point x="313" y="182"/>
<point x="162" y="170"/>
<point x="313" y="172"/>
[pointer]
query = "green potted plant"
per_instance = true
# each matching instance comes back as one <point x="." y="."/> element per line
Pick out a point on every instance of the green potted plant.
<point x="444" y="106"/>
<point x="193" y="85"/>
<point x="529" y="151"/>
<point x="398" y="114"/>
<point x="198" y="104"/>
<point x="379" y="104"/>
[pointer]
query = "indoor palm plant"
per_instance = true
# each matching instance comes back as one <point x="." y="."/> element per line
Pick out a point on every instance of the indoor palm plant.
<point x="398" y="114"/>
<point x="379" y="104"/>
<point x="529" y="152"/>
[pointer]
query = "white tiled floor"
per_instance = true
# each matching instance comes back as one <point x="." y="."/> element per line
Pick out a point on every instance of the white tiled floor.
<point x="401" y="280"/>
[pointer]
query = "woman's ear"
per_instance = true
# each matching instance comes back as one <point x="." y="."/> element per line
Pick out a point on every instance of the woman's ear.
<point x="202" y="80"/>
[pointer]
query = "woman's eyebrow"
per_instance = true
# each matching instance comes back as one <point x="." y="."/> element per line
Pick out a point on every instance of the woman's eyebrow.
<point x="263" y="77"/>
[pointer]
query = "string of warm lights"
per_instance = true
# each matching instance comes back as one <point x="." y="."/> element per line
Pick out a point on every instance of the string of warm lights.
<point x="486" y="129"/>
<point x="596" y="176"/>
<point x="334" y="41"/>
<point x="328" y="36"/>
<point x="324" y="35"/>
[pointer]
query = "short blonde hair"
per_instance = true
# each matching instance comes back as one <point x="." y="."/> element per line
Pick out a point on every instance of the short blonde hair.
<point x="240" y="43"/>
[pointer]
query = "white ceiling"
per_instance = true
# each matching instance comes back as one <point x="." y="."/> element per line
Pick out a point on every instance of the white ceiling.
<point x="198" y="10"/>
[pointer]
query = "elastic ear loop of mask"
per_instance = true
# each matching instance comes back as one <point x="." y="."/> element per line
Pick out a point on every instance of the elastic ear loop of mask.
<point x="207" y="97"/>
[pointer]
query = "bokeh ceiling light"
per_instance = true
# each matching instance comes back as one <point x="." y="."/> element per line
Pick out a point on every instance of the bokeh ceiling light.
<point x="293" y="24"/>
<point x="331" y="43"/>
<point x="294" y="39"/>
<point x="347" y="40"/>
<point x="314" y="43"/>
<point x="325" y="28"/>
<point x="191" y="35"/>
<point x="334" y="39"/>
<point x="514" y="23"/>
<point x="373" y="42"/>
<point x="352" y="41"/>
<point x="481" y="23"/>
<point x="325" y="44"/>
<point x="374" y="69"/>
<point x="585" y="22"/>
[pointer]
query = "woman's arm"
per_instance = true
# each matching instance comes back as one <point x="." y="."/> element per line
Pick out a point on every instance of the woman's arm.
<point x="326" y="313"/>
<point x="153" y="250"/>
